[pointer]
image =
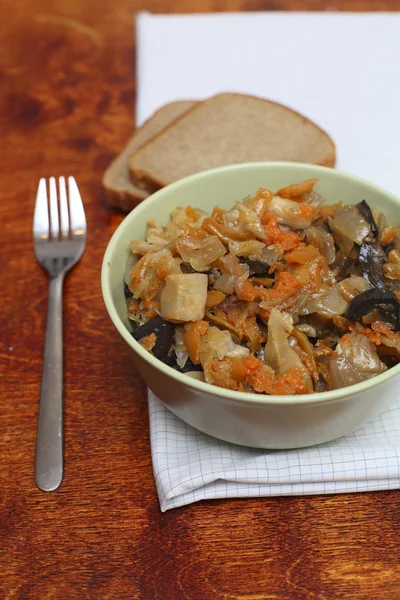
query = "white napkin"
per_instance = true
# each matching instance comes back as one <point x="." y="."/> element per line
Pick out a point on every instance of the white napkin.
<point x="341" y="71"/>
<point x="190" y="466"/>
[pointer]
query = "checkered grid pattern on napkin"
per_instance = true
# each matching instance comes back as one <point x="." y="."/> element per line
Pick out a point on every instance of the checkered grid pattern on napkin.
<point x="190" y="466"/>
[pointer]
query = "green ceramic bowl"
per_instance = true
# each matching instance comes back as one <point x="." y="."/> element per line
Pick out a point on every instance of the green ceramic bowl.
<point x="249" y="419"/>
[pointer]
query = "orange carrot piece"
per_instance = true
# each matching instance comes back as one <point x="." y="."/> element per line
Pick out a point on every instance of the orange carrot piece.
<point x="237" y="369"/>
<point x="191" y="339"/>
<point x="214" y="297"/>
<point x="287" y="240"/>
<point x="302" y="255"/>
<point x="297" y="189"/>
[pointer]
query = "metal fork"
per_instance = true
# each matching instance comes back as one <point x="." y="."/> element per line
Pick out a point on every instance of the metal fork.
<point x="59" y="235"/>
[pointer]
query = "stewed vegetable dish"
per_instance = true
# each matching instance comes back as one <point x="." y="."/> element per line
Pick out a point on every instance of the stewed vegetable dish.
<point x="280" y="294"/>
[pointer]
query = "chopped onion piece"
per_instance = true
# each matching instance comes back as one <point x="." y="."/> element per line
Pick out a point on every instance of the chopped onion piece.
<point x="219" y="343"/>
<point x="200" y="251"/>
<point x="355" y="359"/>
<point x="225" y="283"/>
<point x="246" y="248"/>
<point x="322" y="240"/>
<point x="289" y="212"/>
<point x="145" y="274"/>
<point x="250" y="221"/>
<point x="327" y="302"/>
<point x="349" y="222"/>
<point x="180" y="348"/>
<point x="308" y="329"/>
<point x="278" y="353"/>
<point x="129" y="267"/>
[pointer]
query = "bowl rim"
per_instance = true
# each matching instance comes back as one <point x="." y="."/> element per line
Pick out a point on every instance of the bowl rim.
<point x="201" y="386"/>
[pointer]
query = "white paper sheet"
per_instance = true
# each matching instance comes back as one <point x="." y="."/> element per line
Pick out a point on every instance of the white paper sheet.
<point x="342" y="70"/>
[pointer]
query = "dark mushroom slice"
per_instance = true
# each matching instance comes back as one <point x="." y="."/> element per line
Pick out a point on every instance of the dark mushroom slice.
<point x="257" y="266"/>
<point x="366" y="212"/>
<point x="164" y="332"/>
<point x="389" y="356"/>
<point x="382" y="300"/>
<point x="344" y="266"/>
<point x="187" y="268"/>
<point x="371" y="259"/>
<point x="320" y="385"/>
<point x="388" y="247"/>
<point x="127" y="291"/>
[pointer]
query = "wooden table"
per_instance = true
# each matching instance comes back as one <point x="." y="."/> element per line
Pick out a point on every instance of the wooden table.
<point x="67" y="94"/>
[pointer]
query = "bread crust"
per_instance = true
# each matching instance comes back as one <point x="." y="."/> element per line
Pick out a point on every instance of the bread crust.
<point x="128" y="195"/>
<point x="144" y="179"/>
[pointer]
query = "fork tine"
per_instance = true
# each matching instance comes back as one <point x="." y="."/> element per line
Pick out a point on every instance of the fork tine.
<point x="76" y="211"/>
<point x="64" y="216"/>
<point x="54" y="219"/>
<point x="41" y="215"/>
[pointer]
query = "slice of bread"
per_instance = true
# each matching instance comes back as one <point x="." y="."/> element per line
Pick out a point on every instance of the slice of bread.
<point x="228" y="129"/>
<point x="120" y="191"/>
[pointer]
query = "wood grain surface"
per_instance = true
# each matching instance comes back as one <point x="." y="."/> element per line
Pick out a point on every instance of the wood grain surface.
<point x="67" y="96"/>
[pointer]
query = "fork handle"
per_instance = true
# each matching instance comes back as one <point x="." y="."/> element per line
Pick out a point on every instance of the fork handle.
<point x="49" y="444"/>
